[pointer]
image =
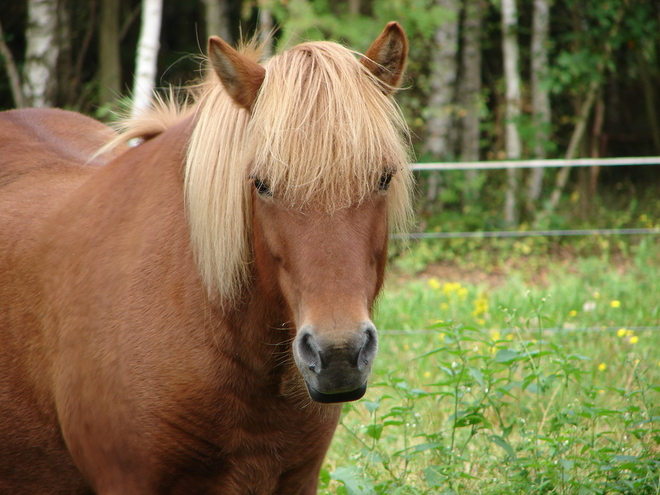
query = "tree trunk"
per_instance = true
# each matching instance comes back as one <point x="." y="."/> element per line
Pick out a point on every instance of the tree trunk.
<point x="147" y="56"/>
<point x="39" y="71"/>
<point x="442" y="90"/>
<point x="217" y="19"/>
<point x="109" y="60"/>
<point x="12" y="72"/>
<point x="471" y="90"/>
<point x="540" y="97"/>
<point x="266" y="30"/>
<point x="512" y="80"/>
<point x="443" y="82"/>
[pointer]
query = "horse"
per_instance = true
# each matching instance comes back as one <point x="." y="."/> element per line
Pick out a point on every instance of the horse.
<point x="187" y="316"/>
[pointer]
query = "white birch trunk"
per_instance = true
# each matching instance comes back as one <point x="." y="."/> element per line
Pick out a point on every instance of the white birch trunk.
<point x="470" y="88"/>
<point x="41" y="53"/>
<point x="512" y="80"/>
<point x="217" y="19"/>
<point x="443" y="82"/>
<point x="443" y="89"/>
<point x="540" y="96"/>
<point x="147" y="56"/>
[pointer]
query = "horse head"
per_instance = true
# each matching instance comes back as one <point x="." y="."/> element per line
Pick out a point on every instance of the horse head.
<point x="326" y="174"/>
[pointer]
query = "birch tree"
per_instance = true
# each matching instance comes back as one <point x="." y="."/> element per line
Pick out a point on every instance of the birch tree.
<point x="471" y="86"/>
<point x="216" y="17"/>
<point x="147" y="56"/>
<point x="442" y="88"/>
<point x="540" y="96"/>
<point x="512" y="81"/>
<point x="41" y="53"/>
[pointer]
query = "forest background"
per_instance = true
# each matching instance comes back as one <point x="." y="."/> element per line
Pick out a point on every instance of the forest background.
<point x="486" y="80"/>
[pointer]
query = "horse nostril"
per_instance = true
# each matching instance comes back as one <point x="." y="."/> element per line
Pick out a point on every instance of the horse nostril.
<point x="370" y="347"/>
<point x="309" y="352"/>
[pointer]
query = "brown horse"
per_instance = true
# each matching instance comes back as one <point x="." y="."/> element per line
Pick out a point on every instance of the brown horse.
<point x="168" y="310"/>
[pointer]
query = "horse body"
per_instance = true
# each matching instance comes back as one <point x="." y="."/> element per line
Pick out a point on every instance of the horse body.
<point x="121" y="370"/>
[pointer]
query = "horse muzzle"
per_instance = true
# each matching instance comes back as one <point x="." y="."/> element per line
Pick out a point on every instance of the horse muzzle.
<point x="335" y="365"/>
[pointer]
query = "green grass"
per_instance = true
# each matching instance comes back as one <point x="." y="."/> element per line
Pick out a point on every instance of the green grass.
<point x="525" y="385"/>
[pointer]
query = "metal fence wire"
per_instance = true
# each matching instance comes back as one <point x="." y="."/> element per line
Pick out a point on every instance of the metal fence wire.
<point x="503" y="164"/>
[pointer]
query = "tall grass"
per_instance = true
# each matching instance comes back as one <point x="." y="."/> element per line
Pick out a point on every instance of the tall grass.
<point x="511" y="388"/>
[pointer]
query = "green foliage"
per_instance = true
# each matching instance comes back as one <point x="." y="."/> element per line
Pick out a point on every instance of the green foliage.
<point x="525" y="409"/>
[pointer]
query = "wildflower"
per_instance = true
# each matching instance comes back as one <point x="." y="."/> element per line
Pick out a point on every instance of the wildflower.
<point x="589" y="306"/>
<point x="601" y="391"/>
<point x="621" y="332"/>
<point x="433" y="282"/>
<point x="572" y="312"/>
<point x="596" y="295"/>
<point x="481" y="321"/>
<point x="462" y="293"/>
<point x="441" y="336"/>
<point x="406" y="347"/>
<point x="602" y="367"/>
<point x="480" y="306"/>
<point x="615" y="303"/>
<point x="495" y="335"/>
<point x="634" y="339"/>
<point x="427" y="374"/>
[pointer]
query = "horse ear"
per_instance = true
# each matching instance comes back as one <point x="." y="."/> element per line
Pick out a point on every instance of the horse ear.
<point x="386" y="58"/>
<point x="240" y="76"/>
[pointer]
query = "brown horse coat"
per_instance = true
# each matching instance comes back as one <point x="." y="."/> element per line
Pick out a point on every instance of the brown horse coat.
<point x="120" y="371"/>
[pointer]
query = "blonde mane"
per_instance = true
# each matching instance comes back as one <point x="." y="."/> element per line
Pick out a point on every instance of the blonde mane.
<point x="321" y="134"/>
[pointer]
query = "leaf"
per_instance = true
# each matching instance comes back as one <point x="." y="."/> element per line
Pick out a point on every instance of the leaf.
<point x="433" y="477"/>
<point x="371" y="406"/>
<point x="354" y="483"/>
<point x="478" y="375"/>
<point x="506" y="356"/>
<point x="375" y="431"/>
<point x="500" y="442"/>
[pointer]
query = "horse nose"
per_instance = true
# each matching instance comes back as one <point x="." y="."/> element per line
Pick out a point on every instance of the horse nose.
<point x="336" y="368"/>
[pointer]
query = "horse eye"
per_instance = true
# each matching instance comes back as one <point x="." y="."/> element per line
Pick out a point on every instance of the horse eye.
<point x="262" y="187"/>
<point x="384" y="182"/>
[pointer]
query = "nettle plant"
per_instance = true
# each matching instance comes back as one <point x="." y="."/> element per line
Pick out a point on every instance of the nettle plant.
<point x="489" y="414"/>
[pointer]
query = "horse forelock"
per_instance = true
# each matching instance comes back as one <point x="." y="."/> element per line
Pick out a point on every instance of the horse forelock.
<point x="321" y="134"/>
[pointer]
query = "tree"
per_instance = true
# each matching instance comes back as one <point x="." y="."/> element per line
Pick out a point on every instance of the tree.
<point x="110" y="66"/>
<point x="216" y="17"/>
<point x="12" y="72"/>
<point x="540" y="96"/>
<point x="442" y="87"/>
<point x="147" y="55"/>
<point x="41" y="53"/>
<point x="470" y="88"/>
<point x="512" y="81"/>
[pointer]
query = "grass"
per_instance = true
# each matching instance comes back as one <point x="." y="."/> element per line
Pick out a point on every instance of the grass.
<point x="518" y="385"/>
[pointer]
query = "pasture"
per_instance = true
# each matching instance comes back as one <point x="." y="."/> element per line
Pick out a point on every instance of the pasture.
<point x="544" y="379"/>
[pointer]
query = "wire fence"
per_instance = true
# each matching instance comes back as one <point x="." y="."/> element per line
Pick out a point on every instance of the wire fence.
<point x="503" y="164"/>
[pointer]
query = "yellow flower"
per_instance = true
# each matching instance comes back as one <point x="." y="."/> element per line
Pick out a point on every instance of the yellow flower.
<point x="602" y="367"/>
<point x="481" y="321"/>
<point x="629" y="332"/>
<point x="495" y="335"/>
<point x="596" y="295"/>
<point x="601" y="391"/>
<point x="572" y="312"/>
<point x="462" y="293"/>
<point x="634" y="339"/>
<point x="433" y="282"/>
<point x="441" y="336"/>
<point x="406" y="347"/>
<point x="444" y="306"/>
<point x="621" y="332"/>
<point x="427" y="374"/>
<point x="615" y="303"/>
